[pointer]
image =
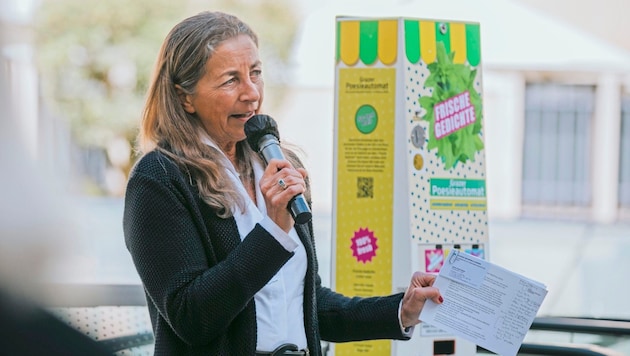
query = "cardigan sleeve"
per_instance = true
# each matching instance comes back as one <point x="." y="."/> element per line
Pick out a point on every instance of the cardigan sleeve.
<point x="197" y="296"/>
<point x="343" y="319"/>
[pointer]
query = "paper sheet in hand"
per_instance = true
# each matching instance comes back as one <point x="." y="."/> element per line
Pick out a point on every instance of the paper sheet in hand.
<point x="484" y="303"/>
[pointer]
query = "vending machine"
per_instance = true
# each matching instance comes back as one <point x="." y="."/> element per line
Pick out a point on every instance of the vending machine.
<point x="409" y="165"/>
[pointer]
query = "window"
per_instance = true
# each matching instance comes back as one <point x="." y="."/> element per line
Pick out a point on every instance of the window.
<point x="556" y="152"/>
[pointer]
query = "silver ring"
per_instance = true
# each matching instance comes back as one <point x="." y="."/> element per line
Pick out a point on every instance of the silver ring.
<point x="282" y="184"/>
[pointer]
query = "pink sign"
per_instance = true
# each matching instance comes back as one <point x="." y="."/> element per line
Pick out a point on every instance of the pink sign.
<point x="453" y="114"/>
<point x="433" y="260"/>
<point x="364" y="245"/>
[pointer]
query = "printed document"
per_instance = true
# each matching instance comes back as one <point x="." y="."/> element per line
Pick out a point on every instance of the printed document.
<point x="484" y="303"/>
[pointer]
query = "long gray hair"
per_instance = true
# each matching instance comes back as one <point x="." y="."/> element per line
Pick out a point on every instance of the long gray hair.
<point x="167" y="127"/>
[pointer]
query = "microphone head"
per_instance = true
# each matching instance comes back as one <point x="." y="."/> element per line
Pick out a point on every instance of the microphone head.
<point x="257" y="127"/>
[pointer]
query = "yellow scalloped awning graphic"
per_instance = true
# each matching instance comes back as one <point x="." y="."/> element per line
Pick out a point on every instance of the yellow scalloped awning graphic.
<point x="371" y="40"/>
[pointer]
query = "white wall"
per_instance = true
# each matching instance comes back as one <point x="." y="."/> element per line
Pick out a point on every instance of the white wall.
<point x="503" y="105"/>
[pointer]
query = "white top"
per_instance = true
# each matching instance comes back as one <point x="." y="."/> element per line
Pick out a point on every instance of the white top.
<point x="279" y="304"/>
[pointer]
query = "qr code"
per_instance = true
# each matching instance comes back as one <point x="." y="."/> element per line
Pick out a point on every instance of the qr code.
<point x="365" y="187"/>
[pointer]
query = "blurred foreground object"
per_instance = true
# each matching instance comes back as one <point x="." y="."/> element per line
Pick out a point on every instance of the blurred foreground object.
<point x="33" y="222"/>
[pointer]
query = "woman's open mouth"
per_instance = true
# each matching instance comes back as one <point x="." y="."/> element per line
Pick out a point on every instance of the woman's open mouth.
<point x="243" y="116"/>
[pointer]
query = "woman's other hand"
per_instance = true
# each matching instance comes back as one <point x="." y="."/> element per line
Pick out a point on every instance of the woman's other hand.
<point x="420" y="290"/>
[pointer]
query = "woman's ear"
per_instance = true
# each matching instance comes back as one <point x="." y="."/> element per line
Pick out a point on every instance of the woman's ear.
<point x="185" y="99"/>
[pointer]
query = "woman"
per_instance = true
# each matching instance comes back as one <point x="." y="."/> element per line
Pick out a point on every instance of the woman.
<point x="225" y="270"/>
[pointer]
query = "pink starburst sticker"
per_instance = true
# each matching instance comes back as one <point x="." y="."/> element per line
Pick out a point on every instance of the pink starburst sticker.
<point x="364" y="245"/>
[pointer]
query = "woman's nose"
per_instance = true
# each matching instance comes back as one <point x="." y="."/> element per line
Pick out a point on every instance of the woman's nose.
<point x="250" y="91"/>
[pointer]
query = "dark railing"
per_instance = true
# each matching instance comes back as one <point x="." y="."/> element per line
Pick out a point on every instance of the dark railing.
<point x="583" y="325"/>
<point x="121" y="343"/>
<point x="574" y="325"/>
<point x="133" y="295"/>
<point x="94" y="295"/>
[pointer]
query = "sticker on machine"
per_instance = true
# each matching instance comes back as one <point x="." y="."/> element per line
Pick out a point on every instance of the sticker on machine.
<point x="433" y="259"/>
<point x="364" y="245"/>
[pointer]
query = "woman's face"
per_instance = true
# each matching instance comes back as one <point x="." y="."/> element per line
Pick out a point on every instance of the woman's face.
<point x="230" y="92"/>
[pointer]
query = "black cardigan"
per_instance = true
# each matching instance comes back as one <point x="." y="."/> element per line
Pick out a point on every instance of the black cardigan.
<point x="200" y="278"/>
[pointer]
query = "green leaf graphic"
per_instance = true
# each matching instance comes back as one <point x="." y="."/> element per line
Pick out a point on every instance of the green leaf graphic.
<point x="449" y="80"/>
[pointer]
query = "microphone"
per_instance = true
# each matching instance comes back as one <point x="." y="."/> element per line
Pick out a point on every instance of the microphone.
<point x="263" y="137"/>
